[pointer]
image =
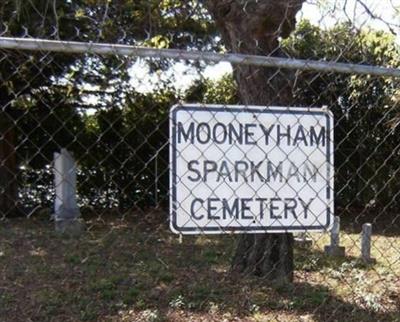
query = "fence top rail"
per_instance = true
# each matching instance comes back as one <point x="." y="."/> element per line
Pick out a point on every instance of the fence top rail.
<point x="35" y="44"/>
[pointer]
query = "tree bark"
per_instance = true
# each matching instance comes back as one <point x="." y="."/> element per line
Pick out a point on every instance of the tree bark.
<point x="255" y="27"/>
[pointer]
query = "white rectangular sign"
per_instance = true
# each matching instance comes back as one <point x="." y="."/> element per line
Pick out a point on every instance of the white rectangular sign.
<point x="250" y="169"/>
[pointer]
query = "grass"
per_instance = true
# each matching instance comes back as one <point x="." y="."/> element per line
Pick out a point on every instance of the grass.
<point x="131" y="270"/>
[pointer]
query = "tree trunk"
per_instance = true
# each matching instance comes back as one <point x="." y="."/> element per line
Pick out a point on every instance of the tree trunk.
<point x="8" y="168"/>
<point x="254" y="27"/>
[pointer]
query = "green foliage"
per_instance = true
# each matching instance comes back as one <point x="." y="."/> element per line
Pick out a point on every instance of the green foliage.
<point x="222" y="91"/>
<point x="132" y="294"/>
<point x="21" y="73"/>
<point x="363" y="107"/>
<point x="118" y="142"/>
<point x="41" y="92"/>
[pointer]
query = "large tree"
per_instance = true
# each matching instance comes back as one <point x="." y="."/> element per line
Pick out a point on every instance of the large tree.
<point x="256" y="27"/>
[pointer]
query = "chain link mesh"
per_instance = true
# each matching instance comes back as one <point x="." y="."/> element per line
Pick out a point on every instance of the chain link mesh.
<point x="109" y="107"/>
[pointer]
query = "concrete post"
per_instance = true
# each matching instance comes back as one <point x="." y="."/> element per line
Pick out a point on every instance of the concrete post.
<point x="366" y="243"/>
<point x="66" y="211"/>
<point x="334" y="249"/>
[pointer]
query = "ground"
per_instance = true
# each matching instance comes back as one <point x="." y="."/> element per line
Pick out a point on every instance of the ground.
<point x="135" y="269"/>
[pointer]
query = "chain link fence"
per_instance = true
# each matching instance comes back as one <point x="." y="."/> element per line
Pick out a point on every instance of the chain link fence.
<point x="97" y="83"/>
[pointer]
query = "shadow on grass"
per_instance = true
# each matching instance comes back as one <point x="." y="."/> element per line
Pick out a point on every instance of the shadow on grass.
<point x="224" y="295"/>
<point x="314" y="260"/>
<point x="323" y="305"/>
<point x="203" y="288"/>
<point x="121" y="266"/>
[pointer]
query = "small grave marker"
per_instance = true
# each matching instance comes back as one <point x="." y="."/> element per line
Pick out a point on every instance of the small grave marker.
<point x="334" y="249"/>
<point x="366" y="243"/>
<point x="66" y="211"/>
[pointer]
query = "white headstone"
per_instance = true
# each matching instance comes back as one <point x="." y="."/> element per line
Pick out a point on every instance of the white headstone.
<point x="334" y="249"/>
<point x="66" y="211"/>
<point x="335" y="232"/>
<point x="366" y="243"/>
